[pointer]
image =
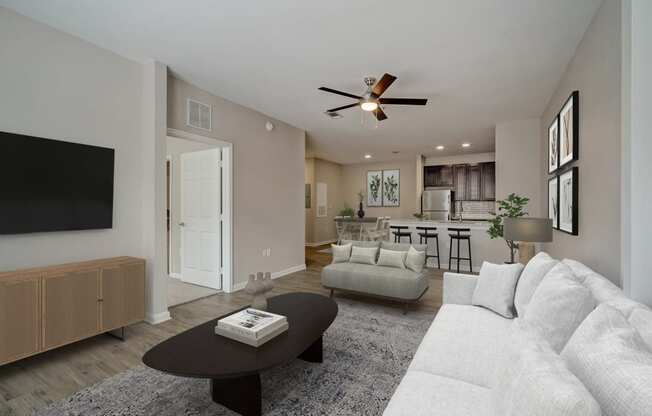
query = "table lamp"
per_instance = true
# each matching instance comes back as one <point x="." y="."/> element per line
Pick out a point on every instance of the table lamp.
<point x="526" y="231"/>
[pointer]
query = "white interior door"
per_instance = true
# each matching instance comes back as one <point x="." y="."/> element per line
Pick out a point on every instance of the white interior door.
<point x="201" y="206"/>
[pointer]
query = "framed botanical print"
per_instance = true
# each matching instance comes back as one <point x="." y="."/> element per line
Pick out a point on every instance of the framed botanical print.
<point x="569" y="130"/>
<point x="568" y="201"/>
<point x="553" y="145"/>
<point x="391" y="188"/>
<point x="553" y="201"/>
<point x="374" y="188"/>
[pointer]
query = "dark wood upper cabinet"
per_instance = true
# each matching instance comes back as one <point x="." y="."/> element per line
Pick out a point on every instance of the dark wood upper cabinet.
<point x="488" y="181"/>
<point x="470" y="182"/>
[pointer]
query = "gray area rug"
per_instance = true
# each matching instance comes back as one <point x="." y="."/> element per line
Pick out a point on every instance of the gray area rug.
<point x="366" y="352"/>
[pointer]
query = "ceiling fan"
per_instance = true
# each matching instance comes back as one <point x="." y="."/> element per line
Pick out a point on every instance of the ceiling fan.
<point x="371" y="100"/>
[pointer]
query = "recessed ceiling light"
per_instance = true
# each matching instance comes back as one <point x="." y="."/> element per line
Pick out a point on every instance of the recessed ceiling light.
<point x="466" y="144"/>
<point x="367" y="156"/>
<point x="440" y="147"/>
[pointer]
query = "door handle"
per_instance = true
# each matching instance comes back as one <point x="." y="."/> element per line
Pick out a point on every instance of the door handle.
<point x="182" y="224"/>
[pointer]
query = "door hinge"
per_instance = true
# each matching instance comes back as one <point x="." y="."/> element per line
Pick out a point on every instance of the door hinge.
<point x="220" y="164"/>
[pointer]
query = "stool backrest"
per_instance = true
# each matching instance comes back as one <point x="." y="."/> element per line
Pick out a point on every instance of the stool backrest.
<point x="427" y="228"/>
<point x="459" y="230"/>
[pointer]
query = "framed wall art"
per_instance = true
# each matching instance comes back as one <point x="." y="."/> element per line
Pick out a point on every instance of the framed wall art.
<point x="553" y="146"/>
<point x="375" y="188"/>
<point x="568" y="201"/>
<point x="391" y="188"/>
<point x="569" y="130"/>
<point x="553" y="201"/>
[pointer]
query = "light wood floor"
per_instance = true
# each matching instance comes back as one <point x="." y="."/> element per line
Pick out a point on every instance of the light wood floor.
<point x="37" y="381"/>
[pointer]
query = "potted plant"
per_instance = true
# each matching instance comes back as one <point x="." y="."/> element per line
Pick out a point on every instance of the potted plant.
<point x="361" y="198"/>
<point x="347" y="211"/>
<point x="510" y="207"/>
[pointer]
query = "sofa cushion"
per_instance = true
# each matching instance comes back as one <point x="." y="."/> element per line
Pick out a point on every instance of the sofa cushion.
<point x="464" y="342"/>
<point x="534" y="380"/>
<point x="341" y="253"/>
<point x="390" y="258"/>
<point x="388" y="245"/>
<point x="641" y="319"/>
<point x="601" y="288"/>
<point x="363" y="255"/>
<point x="609" y="356"/>
<point x="375" y="280"/>
<point x="425" y="394"/>
<point x="558" y="306"/>
<point x="496" y="286"/>
<point x="531" y="276"/>
<point x="357" y="243"/>
<point x="415" y="260"/>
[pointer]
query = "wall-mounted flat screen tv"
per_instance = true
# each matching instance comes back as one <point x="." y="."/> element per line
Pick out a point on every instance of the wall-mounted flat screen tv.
<point x="52" y="185"/>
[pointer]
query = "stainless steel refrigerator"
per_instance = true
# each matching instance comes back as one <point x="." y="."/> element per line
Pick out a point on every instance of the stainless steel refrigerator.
<point x="436" y="204"/>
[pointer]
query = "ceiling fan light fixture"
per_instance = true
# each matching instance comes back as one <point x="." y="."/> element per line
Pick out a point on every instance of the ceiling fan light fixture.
<point x="369" y="105"/>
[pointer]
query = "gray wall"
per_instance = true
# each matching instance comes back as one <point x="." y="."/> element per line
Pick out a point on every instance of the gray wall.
<point x="595" y="71"/>
<point x="57" y="86"/>
<point x="268" y="180"/>
<point x="518" y="155"/>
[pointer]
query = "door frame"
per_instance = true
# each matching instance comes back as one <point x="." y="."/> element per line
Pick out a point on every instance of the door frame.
<point x="227" y="197"/>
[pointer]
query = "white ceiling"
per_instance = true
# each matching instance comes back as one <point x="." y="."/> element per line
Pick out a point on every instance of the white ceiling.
<point x="478" y="61"/>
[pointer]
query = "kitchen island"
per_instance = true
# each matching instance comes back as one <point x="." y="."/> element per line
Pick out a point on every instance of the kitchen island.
<point x="483" y="248"/>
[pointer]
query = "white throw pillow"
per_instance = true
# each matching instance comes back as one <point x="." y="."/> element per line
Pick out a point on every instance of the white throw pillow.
<point x="641" y="319"/>
<point x="495" y="288"/>
<point x="608" y="355"/>
<point x="364" y="255"/>
<point x="530" y="279"/>
<point x="558" y="306"/>
<point x="415" y="260"/>
<point x="341" y="253"/>
<point x="534" y="380"/>
<point x="392" y="258"/>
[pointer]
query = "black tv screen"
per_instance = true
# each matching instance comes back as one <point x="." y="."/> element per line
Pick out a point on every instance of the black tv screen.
<point x="51" y="185"/>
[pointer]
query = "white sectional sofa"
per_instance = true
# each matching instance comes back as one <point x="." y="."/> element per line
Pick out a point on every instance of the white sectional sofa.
<point x="456" y="369"/>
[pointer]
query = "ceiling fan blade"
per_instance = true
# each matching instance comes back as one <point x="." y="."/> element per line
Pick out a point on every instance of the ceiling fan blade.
<point x="380" y="114"/>
<point x="404" y="101"/>
<point x="382" y="85"/>
<point x="335" y="110"/>
<point x="346" y="94"/>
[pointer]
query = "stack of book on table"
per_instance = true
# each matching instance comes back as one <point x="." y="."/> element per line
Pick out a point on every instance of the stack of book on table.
<point x="252" y="326"/>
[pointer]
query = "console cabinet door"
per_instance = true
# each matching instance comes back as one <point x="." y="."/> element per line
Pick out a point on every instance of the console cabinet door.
<point x="134" y="298"/>
<point x="112" y="298"/>
<point x="20" y="320"/>
<point x="70" y="306"/>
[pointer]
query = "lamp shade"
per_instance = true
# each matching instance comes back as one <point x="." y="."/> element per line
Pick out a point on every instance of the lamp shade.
<point x="534" y="230"/>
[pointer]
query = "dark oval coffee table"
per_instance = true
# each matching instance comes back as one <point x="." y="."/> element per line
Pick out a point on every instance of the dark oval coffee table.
<point x="233" y="367"/>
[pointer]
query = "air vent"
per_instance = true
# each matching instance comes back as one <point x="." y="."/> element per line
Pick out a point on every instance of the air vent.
<point x="199" y="115"/>
<point x="333" y="114"/>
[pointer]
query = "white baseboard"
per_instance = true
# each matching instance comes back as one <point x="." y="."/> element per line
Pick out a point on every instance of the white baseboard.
<point x="321" y="243"/>
<point x="158" y="318"/>
<point x="176" y="275"/>
<point x="241" y="285"/>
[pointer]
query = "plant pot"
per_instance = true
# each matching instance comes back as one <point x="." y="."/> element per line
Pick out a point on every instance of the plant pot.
<point x="360" y="211"/>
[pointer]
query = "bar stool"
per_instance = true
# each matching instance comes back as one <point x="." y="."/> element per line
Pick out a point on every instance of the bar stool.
<point x="459" y="237"/>
<point x="399" y="233"/>
<point x="424" y="235"/>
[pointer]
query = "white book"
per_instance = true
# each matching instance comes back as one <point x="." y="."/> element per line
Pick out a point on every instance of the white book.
<point x="254" y="342"/>
<point x="252" y="323"/>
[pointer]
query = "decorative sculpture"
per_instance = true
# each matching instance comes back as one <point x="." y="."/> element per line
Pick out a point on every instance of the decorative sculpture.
<point x="257" y="286"/>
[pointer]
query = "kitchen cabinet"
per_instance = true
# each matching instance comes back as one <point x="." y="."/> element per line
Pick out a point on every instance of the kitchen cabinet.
<point x="471" y="182"/>
<point x="438" y="176"/>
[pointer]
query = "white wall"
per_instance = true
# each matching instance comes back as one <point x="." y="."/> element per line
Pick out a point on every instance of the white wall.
<point x="57" y="86"/>
<point x="518" y="159"/>
<point x="595" y="70"/>
<point x="176" y="147"/>
<point x="637" y="148"/>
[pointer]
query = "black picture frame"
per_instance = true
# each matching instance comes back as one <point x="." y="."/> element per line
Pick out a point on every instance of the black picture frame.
<point x="574" y="192"/>
<point x="574" y="101"/>
<point x="555" y="125"/>
<point x="555" y="219"/>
